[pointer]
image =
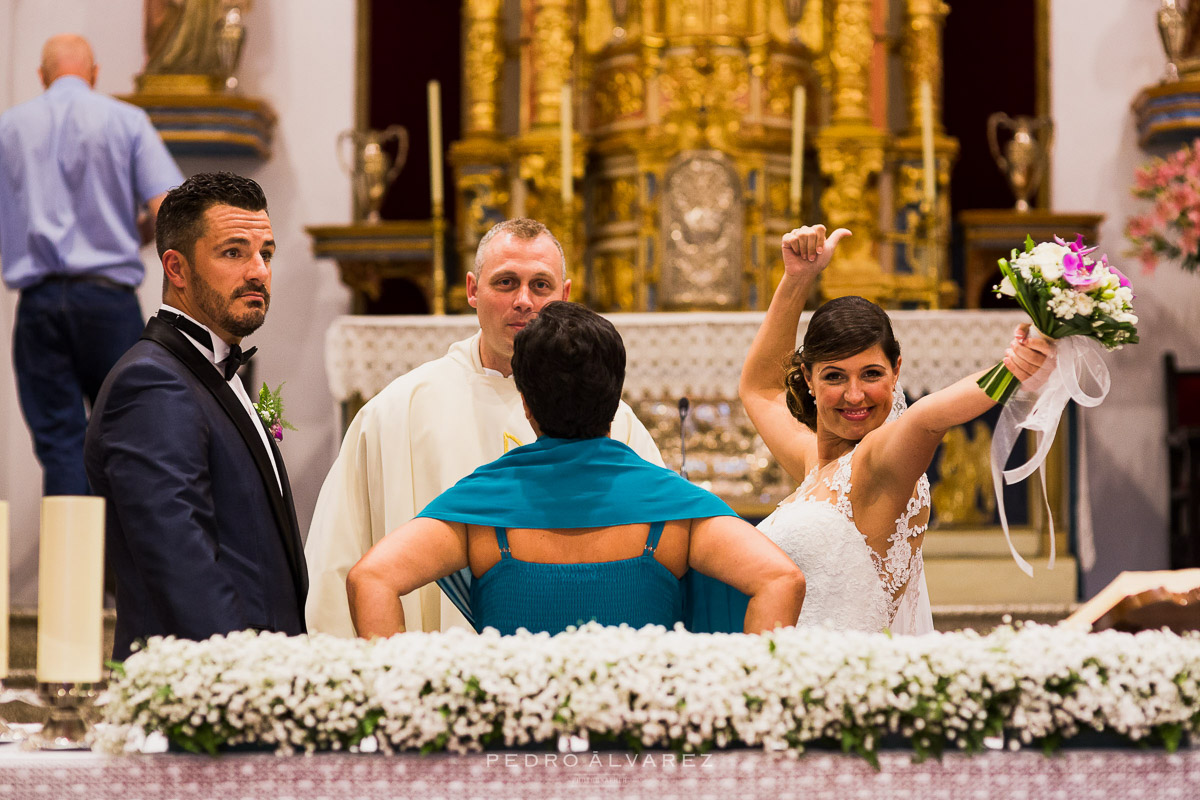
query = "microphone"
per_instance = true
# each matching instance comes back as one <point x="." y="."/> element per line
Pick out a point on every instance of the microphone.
<point x="684" y="407"/>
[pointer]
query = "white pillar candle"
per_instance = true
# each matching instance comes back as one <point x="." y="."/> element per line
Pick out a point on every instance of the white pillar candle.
<point x="565" y="154"/>
<point x="435" y="146"/>
<point x="927" y="141"/>
<point x="70" y="590"/>
<point x="799" y="99"/>
<point x="3" y="590"/>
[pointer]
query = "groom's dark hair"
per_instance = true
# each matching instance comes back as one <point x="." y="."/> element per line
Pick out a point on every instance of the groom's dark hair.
<point x="569" y="365"/>
<point x="180" y="222"/>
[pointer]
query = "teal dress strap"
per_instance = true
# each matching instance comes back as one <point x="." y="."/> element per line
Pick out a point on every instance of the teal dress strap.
<point x="656" y="529"/>
<point x="502" y="541"/>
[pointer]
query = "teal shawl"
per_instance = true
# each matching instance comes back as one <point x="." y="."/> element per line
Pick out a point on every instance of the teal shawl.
<point x="586" y="483"/>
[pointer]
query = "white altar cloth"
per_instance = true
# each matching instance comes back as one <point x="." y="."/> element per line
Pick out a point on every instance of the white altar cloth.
<point x="668" y="354"/>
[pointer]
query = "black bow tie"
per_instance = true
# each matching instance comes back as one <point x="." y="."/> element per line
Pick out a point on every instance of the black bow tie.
<point x="236" y="356"/>
<point x="236" y="359"/>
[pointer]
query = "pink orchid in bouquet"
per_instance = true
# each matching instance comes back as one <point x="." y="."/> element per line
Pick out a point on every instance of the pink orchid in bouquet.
<point x="1065" y="292"/>
<point x="1171" y="228"/>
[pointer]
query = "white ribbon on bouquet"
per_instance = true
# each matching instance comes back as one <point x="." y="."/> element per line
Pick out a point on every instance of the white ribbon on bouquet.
<point x="1080" y="374"/>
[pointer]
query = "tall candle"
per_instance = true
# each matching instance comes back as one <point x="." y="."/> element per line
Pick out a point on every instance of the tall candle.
<point x="799" y="98"/>
<point x="70" y="590"/>
<point x="927" y="141"/>
<point x="3" y="589"/>
<point x="565" y="154"/>
<point x="435" y="146"/>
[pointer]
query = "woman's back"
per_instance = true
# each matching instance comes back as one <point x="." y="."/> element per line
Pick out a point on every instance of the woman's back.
<point x="560" y="578"/>
<point x="851" y="584"/>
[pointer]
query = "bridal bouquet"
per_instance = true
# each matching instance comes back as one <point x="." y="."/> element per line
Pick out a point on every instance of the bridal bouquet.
<point x="1066" y="293"/>
<point x="1087" y="306"/>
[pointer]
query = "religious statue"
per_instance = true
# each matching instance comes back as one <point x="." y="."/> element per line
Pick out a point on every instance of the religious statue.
<point x="198" y="38"/>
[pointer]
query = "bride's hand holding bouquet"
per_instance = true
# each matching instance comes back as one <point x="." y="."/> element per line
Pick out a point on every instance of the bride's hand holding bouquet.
<point x="1086" y="305"/>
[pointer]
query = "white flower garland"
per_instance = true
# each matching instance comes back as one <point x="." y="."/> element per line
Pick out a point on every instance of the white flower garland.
<point x="460" y="692"/>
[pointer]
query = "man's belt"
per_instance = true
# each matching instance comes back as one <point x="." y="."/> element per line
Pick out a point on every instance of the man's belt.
<point x="95" y="280"/>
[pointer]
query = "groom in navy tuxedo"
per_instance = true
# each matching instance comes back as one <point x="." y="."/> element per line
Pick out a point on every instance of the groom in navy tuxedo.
<point x="202" y="532"/>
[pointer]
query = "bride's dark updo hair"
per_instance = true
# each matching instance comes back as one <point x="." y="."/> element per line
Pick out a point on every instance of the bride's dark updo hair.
<point x="842" y="327"/>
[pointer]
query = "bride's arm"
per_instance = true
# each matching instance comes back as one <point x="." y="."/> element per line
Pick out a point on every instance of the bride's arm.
<point x="896" y="454"/>
<point x="806" y="252"/>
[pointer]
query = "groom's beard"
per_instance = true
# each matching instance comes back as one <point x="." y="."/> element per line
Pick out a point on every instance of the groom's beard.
<point x="220" y="309"/>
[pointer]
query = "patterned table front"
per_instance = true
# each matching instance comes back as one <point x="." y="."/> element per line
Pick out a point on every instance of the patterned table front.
<point x="1072" y="775"/>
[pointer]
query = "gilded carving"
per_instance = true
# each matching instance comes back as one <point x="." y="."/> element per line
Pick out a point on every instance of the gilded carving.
<point x="853" y="43"/>
<point x="777" y="196"/>
<point x="598" y="25"/>
<point x="485" y="200"/>
<point x="852" y="201"/>
<point x="808" y="29"/>
<point x="601" y="284"/>
<point x="910" y="180"/>
<point x="781" y="78"/>
<point x="624" y="282"/>
<point x="923" y="55"/>
<point x="618" y="93"/>
<point x="684" y="17"/>
<point x="699" y="78"/>
<point x="615" y="201"/>
<point x="552" y="48"/>
<point x="483" y="56"/>
<point x="963" y="494"/>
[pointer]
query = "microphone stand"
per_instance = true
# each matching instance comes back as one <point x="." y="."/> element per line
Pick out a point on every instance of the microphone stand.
<point x="684" y="407"/>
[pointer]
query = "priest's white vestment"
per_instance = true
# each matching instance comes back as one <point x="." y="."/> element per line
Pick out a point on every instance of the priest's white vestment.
<point x="418" y="437"/>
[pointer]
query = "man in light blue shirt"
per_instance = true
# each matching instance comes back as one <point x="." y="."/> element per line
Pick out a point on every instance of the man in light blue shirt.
<point x="81" y="179"/>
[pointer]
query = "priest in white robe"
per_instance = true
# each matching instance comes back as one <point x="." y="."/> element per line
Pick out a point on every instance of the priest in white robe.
<point x="433" y="426"/>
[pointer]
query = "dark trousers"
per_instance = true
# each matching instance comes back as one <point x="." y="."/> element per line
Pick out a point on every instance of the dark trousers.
<point x="69" y="334"/>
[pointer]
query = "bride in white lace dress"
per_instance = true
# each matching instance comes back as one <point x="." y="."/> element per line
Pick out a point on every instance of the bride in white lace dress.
<point x="830" y="413"/>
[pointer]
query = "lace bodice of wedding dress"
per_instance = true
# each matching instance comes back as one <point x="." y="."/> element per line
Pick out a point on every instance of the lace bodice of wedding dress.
<point x="850" y="585"/>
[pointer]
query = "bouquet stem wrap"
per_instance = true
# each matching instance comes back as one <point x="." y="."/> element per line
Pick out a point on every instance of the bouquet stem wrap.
<point x="1080" y="374"/>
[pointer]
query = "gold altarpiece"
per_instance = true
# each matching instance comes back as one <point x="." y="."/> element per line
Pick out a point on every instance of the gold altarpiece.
<point x="681" y="130"/>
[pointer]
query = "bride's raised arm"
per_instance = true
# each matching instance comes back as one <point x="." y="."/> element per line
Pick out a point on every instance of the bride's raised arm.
<point x="898" y="453"/>
<point x="806" y="252"/>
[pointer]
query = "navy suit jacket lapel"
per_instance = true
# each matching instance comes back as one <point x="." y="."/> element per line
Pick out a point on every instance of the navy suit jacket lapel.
<point x="292" y="542"/>
<point x="178" y="345"/>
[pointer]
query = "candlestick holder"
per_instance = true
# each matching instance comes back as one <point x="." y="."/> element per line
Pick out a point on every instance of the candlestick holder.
<point x="8" y="734"/>
<point x="438" y="279"/>
<point x="66" y="728"/>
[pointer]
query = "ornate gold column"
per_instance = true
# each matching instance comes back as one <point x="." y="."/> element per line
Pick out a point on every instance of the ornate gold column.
<point x="923" y="57"/>
<point x="923" y="230"/>
<point x="480" y="159"/>
<point x="549" y="26"/>
<point x="851" y="152"/>
<point x="922" y="49"/>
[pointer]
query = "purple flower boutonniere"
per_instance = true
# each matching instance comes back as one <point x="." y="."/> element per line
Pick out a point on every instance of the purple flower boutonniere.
<point x="270" y="410"/>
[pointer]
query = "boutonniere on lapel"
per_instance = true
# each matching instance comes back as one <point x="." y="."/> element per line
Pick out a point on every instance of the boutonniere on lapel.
<point x="270" y="410"/>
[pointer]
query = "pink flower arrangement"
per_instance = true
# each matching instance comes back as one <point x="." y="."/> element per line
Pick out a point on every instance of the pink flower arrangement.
<point x="1171" y="228"/>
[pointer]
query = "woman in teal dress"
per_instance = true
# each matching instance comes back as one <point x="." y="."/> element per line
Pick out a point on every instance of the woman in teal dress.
<point x="574" y="527"/>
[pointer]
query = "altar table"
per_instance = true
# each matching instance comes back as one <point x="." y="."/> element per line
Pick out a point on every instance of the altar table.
<point x="1071" y="775"/>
